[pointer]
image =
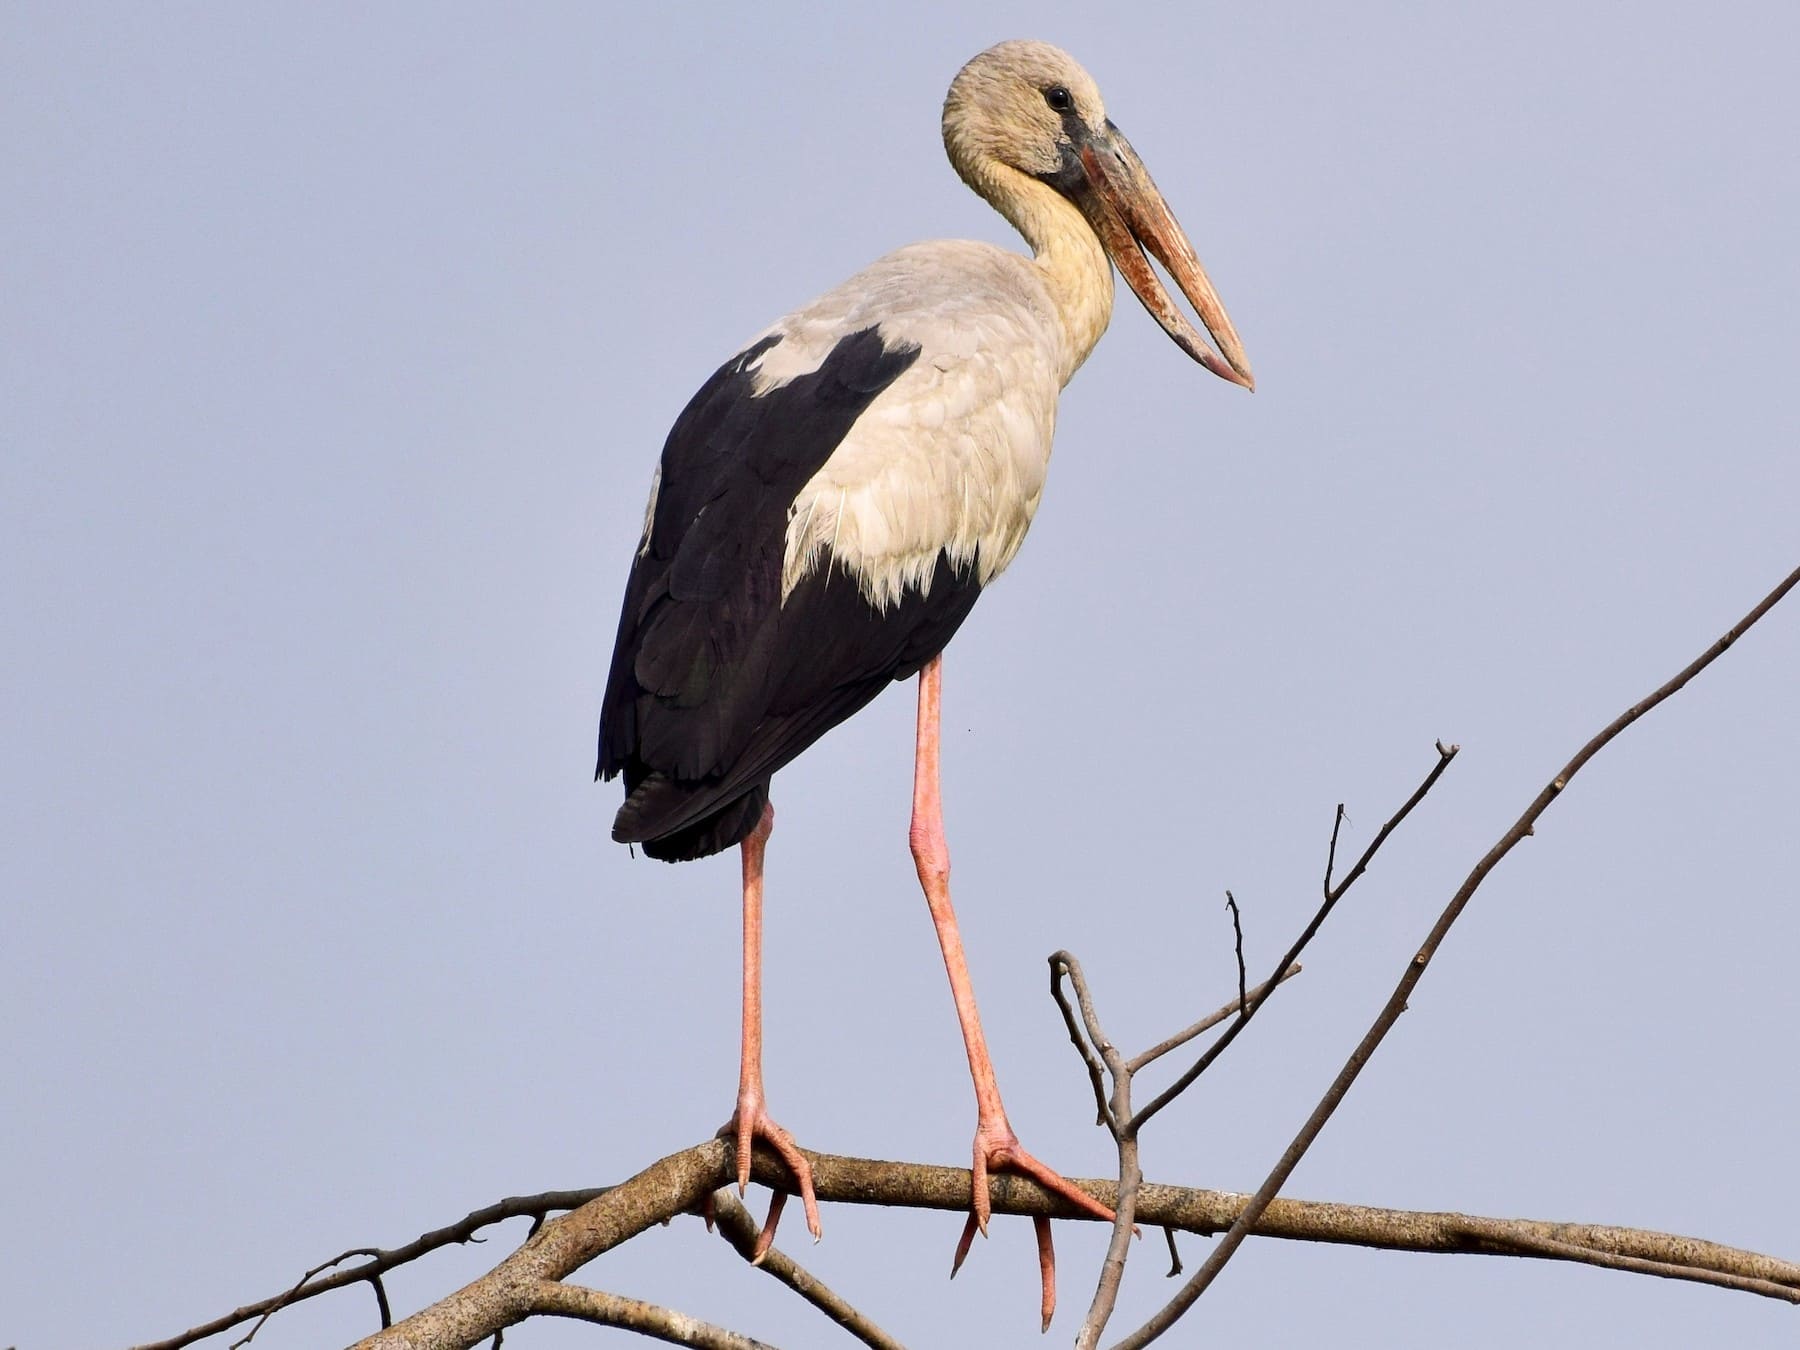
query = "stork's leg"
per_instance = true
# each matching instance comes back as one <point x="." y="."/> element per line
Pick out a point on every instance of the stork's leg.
<point x="751" y="1119"/>
<point x="997" y="1148"/>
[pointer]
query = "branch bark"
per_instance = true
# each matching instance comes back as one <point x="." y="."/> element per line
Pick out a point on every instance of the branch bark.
<point x="552" y="1298"/>
<point x="513" y="1291"/>
<point x="508" y="1294"/>
<point x="738" y="1228"/>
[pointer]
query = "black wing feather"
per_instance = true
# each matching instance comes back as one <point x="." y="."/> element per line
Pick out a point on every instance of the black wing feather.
<point x="715" y="682"/>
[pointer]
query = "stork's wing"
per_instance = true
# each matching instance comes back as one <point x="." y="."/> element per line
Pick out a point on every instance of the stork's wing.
<point x="715" y="681"/>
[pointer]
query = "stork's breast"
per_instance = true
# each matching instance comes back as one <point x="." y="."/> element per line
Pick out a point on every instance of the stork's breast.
<point x="950" y="459"/>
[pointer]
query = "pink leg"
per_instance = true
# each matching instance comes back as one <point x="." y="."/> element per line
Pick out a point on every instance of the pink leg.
<point x="996" y="1146"/>
<point x="751" y="1119"/>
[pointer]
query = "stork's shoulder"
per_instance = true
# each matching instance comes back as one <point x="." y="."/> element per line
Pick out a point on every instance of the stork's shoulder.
<point x="955" y="299"/>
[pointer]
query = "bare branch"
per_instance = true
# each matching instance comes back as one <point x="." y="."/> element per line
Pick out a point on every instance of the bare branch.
<point x="1118" y="1115"/>
<point x="563" y="1245"/>
<point x="1415" y="968"/>
<point x="678" y="1184"/>
<point x="381" y="1260"/>
<point x="1061" y="963"/>
<point x="1518" y="1243"/>
<point x="1337" y="824"/>
<point x="270" y="1307"/>
<point x="1207" y="1023"/>
<point x="555" y="1299"/>
<point x="738" y="1228"/>
<point x="1332" y="896"/>
<point x="1237" y="933"/>
<point x="1114" y="1112"/>
<point x="1118" y="1247"/>
<point x="1446" y="753"/>
<point x="381" y="1302"/>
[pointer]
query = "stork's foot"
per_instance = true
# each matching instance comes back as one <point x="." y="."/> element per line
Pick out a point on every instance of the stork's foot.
<point x="997" y="1149"/>
<point x="748" y="1123"/>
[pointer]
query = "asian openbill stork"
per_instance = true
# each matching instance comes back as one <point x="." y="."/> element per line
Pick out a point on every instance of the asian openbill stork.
<point x="831" y="503"/>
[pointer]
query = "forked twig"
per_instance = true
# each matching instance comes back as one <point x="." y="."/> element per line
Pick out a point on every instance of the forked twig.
<point x="1116" y="1111"/>
<point x="1333" y="894"/>
<point x="378" y="1261"/>
<point x="1415" y="969"/>
<point x="1207" y="1023"/>
<point x="738" y="1227"/>
<point x="553" y="1298"/>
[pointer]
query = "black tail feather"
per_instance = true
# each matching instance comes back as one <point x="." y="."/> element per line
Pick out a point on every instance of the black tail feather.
<point x="642" y="820"/>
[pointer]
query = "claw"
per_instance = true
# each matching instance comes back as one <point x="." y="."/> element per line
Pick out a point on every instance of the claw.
<point x="963" y="1244"/>
<point x="749" y="1122"/>
<point x="1046" y="1269"/>
<point x="740" y="1147"/>
<point x="766" y="1238"/>
<point x="982" y="1206"/>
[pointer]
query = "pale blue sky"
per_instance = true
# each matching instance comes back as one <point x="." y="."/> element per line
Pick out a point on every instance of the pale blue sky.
<point x="339" y="343"/>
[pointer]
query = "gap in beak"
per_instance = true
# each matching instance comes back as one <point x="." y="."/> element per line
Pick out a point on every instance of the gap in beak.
<point x="1178" y="298"/>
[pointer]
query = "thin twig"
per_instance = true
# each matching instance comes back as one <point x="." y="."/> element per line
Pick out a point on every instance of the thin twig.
<point x="1207" y="1023"/>
<point x="1520" y="1243"/>
<point x="555" y="1299"/>
<point x="1446" y="753"/>
<point x="269" y="1307"/>
<point x="1061" y="963"/>
<point x="379" y="1261"/>
<point x="1415" y="968"/>
<point x="1337" y="824"/>
<point x="1218" y="1047"/>
<point x="1114" y="1112"/>
<point x="1237" y="932"/>
<point x="738" y="1227"/>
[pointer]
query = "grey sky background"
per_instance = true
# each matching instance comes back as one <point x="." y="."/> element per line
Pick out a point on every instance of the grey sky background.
<point x="339" y="344"/>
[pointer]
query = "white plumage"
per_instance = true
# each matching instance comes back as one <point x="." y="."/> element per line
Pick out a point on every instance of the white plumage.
<point x="951" y="458"/>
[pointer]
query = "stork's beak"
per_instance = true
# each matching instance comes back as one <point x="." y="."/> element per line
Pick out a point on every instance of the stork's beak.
<point x="1130" y="215"/>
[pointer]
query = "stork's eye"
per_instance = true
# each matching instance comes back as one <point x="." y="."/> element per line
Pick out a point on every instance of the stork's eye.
<point x="1059" y="98"/>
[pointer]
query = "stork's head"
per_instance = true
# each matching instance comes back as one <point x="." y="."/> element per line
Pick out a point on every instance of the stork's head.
<point x="1027" y="108"/>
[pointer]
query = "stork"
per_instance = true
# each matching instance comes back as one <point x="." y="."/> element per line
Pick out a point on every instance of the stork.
<point x="833" y="501"/>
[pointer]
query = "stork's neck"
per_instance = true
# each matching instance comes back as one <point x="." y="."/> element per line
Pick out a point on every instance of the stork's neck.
<point x="1066" y="252"/>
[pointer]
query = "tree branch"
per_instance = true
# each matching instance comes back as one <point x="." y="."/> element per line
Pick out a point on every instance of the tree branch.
<point x="1207" y="1023"/>
<point x="555" y="1299"/>
<point x="380" y="1260"/>
<point x="505" y="1295"/>
<point x="675" y="1185"/>
<point x="738" y="1227"/>
<point x="1332" y="895"/>
<point x="1116" y="1115"/>
<point x="1116" y="1111"/>
<point x="1415" y="968"/>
